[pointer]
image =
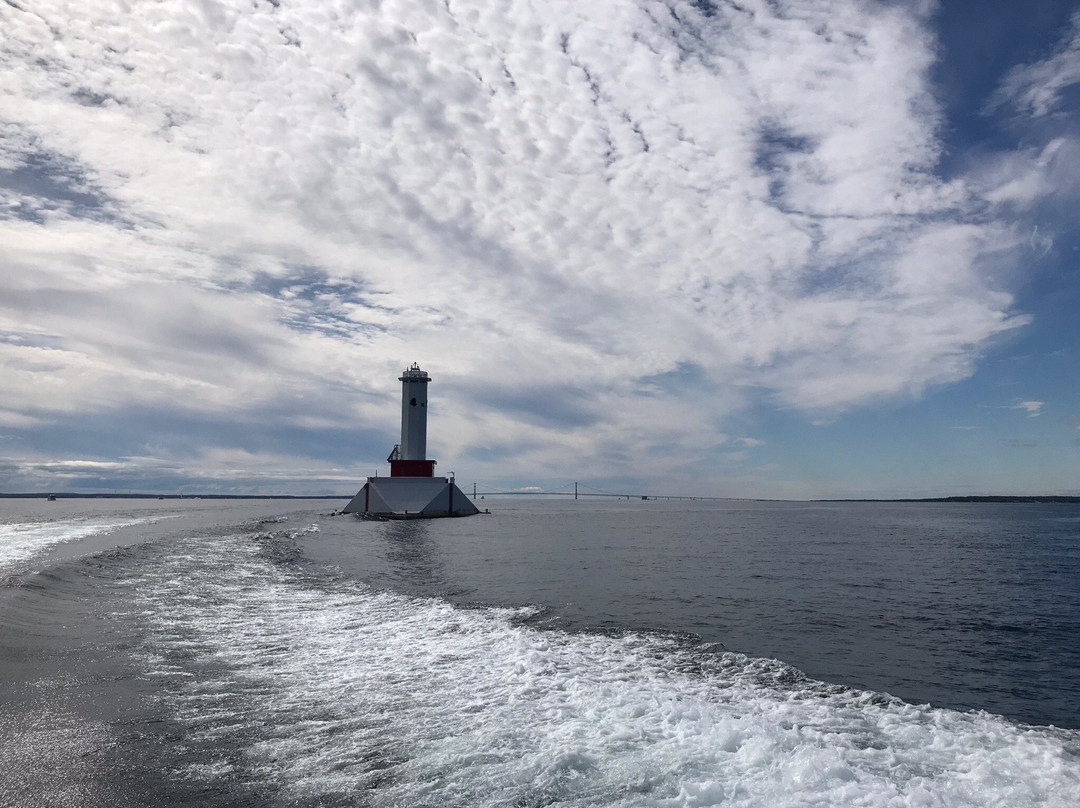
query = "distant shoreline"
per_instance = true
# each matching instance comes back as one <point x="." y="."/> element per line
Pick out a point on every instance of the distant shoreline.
<point x="996" y="498"/>
<point x="63" y="495"/>
<point x="960" y="499"/>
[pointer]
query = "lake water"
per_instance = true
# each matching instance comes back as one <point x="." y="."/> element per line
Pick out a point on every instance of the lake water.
<point x="555" y="652"/>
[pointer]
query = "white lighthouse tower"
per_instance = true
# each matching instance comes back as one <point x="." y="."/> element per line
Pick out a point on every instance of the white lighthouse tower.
<point x="413" y="446"/>
<point x="412" y="491"/>
<point x="409" y="458"/>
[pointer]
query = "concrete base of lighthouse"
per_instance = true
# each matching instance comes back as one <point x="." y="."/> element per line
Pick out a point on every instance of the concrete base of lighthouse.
<point x="410" y="498"/>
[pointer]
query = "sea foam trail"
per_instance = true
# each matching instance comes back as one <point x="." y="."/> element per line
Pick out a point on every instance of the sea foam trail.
<point x="337" y="694"/>
<point x="22" y="541"/>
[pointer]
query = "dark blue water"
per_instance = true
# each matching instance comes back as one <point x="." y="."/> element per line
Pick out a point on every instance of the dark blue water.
<point x="963" y="605"/>
<point x="589" y="652"/>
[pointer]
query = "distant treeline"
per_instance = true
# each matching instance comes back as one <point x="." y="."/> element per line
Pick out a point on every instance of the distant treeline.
<point x="968" y="499"/>
<point x="59" y="495"/>
<point x="69" y="495"/>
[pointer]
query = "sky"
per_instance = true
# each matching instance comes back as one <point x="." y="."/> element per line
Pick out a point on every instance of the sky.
<point x="765" y="248"/>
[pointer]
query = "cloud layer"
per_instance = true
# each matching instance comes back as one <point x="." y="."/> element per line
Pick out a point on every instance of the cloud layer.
<point x="603" y="227"/>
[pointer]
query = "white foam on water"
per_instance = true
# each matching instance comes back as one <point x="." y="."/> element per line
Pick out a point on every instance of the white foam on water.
<point x="20" y="542"/>
<point x="339" y="694"/>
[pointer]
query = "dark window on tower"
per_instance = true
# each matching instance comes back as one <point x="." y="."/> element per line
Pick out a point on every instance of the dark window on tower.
<point x="412" y="402"/>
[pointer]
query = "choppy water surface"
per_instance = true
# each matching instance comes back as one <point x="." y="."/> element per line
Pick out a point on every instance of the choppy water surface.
<point x="554" y="653"/>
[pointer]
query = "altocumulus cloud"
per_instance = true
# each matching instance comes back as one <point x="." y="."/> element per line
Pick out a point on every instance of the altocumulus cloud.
<point x="259" y="211"/>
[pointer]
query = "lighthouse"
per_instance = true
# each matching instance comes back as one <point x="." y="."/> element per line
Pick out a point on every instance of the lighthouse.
<point x="414" y="384"/>
<point x="412" y="491"/>
<point x="409" y="458"/>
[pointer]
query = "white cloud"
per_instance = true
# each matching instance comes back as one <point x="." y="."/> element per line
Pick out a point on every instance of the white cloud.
<point x="17" y="419"/>
<point x="1021" y="178"/>
<point x="1036" y="88"/>
<point x="278" y="206"/>
<point x="214" y="470"/>
<point x="1032" y="408"/>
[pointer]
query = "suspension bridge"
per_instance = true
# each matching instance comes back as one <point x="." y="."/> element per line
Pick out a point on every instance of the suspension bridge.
<point x="578" y="490"/>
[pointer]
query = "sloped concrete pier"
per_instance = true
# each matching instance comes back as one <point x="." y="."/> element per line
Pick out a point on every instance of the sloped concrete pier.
<point x="412" y="491"/>
<point x="411" y="498"/>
